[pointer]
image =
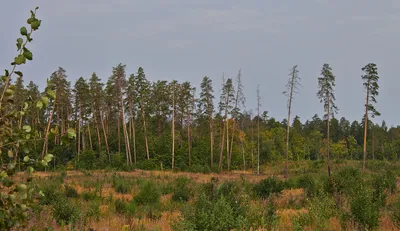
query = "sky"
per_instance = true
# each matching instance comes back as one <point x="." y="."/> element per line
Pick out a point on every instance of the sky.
<point x="189" y="39"/>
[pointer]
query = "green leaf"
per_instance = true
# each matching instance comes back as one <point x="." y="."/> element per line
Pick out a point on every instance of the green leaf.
<point x="27" y="128"/>
<point x="3" y="174"/>
<point x="26" y="150"/>
<point x="71" y="133"/>
<point x="45" y="101"/>
<point x="26" y="159"/>
<point x="39" y="104"/>
<point x="20" y="59"/>
<point x="36" y="8"/>
<point x="54" y="130"/>
<point x="48" y="158"/>
<point x="23" y="31"/>
<point x="11" y="166"/>
<point x="36" y="24"/>
<point x="10" y="153"/>
<point x="41" y="193"/>
<point x="28" y="54"/>
<point x="30" y="20"/>
<point x="51" y="93"/>
<point x="26" y="105"/>
<point x="20" y="41"/>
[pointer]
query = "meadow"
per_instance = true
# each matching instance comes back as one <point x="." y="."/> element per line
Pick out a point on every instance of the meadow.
<point x="165" y="200"/>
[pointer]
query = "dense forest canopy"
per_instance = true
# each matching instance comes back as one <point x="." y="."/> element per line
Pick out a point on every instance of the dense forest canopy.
<point x="126" y="118"/>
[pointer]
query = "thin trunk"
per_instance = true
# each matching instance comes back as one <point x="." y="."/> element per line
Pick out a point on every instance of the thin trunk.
<point x="145" y="131"/>
<point x="222" y="146"/>
<point x="232" y="138"/>
<point x="258" y="143"/>
<point x="373" y="146"/>
<point x="252" y="144"/>
<point x="288" y="125"/>
<point x="46" y="138"/>
<point x="132" y="130"/>
<point x="90" y="137"/>
<point x="105" y="137"/>
<point x="173" y="128"/>
<point x="79" y="137"/>
<point x="119" y="134"/>
<point x="126" y="138"/>
<point x="188" y="136"/>
<point x="211" y="141"/>
<point x="227" y="129"/>
<point x="365" y="131"/>
<point x="329" y="159"/>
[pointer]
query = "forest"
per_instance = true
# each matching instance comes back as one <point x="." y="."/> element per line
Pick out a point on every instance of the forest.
<point x="162" y="154"/>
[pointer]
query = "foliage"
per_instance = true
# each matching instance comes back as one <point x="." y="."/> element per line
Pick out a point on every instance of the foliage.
<point x="148" y="195"/>
<point x="120" y="185"/>
<point x="70" y="192"/>
<point x="181" y="190"/>
<point x="267" y="187"/>
<point x="65" y="212"/>
<point x="123" y="207"/>
<point x="364" y="210"/>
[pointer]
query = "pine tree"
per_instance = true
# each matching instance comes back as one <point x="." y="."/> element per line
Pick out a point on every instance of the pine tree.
<point x="143" y="92"/>
<point x="82" y="108"/>
<point x="206" y="107"/>
<point x="326" y="85"/>
<point x="371" y="86"/>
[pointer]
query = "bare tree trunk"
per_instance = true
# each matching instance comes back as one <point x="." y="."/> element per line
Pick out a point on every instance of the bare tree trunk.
<point x="188" y="136"/>
<point x="365" y="132"/>
<point x="119" y="134"/>
<point x="105" y="137"/>
<point x="79" y="136"/>
<point x="46" y="138"/>
<point x="145" y="131"/>
<point x="222" y="146"/>
<point x="132" y="130"/>
<point x="126" y="138"/>
<point x="373" y="146"/>
<point x="211" y="141"/>
<point x="90" y="137"/>
<point x="328" y="148"/>
<point x="173" y="128"/>
<point x="258" y="143"/>
<point x="252" y="144"/>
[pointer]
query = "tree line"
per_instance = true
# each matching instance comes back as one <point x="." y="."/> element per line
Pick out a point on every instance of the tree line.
<point x="175" y="125"/>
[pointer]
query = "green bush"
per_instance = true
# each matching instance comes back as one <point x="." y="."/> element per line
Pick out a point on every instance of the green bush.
<point x="124" y="207"/>
<point x="51" y="192"/>
<point x="93" y="211"/>
<point x="181" y="190"/>
<point x="65" y="212"/>
<point x="364" y="211"/>
<point x="382" y="182"/>
<point x="89" y="196"/>
<point x="70" y="192"/>
<point x="347" y="181"/>
<point x="121" y="185"/>
<point x="395" y="212"/>
<point x="87" y="160"/>
<point x="148" y="195"/>
<point x="267" y="187"/>
<point x="309" y="184"/>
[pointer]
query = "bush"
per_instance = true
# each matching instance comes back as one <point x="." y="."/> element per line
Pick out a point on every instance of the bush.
<point x="87" y="160"/>
<point x="51" y="192"/>
<point x="380" y="183"/>
<point x="123" y="207"/>
<point x="65" y="212"/>
<point x="364" y="211"/>
<point x="308" y="184"/>
<point x="121" y="185"/>
<point x="181" y="190"/>
<point x="347" y="181"/>
<point x="395" y="213"/>
<point x="148" y="195"/>
<point x="267" y="187"/>
<point x="89" y="196"/>
<point x="93" y="211"/>
<point x="70" y="192"/>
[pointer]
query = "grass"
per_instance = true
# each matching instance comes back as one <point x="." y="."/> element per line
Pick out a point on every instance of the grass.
<point x="155" y="200"/>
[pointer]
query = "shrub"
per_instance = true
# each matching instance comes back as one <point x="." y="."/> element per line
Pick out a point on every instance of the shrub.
<point x="148" y="195"/>
<point x="380" y="183"/>
<point x="87" y="159"/>
<point x="121" y="185"/>
<point x="364" y="211"/>
<point x="308" y="184"/>
<point x="267" y="187"/>
<point x="89" y="196"/>
<point x="347" y="181"/>
<point x="51" y="192"/>
<point x="182" y="190"/>
<point x="123" y="207"/>
<point x="395" y="213"/>
<point x="70" y="192"/>
<point x="93" y="211"/>
<point x="65" y="212"/>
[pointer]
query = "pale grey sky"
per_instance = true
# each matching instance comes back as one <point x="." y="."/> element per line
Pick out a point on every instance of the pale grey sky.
<point x="188" y="39"/>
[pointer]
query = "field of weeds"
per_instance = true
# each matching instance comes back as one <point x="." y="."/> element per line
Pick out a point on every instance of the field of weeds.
<point x="155" y="200"/>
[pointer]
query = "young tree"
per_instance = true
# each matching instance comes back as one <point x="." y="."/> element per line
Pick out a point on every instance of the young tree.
<point x="326" y="84"/>
<point x="371" y="87"/>
<point x="292" y="87"/>
<point x="206" y="106"/>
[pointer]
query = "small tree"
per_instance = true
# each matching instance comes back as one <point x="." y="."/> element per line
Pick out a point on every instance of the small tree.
<point x="371" y="86"/>
<point x="326" y="85"/>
